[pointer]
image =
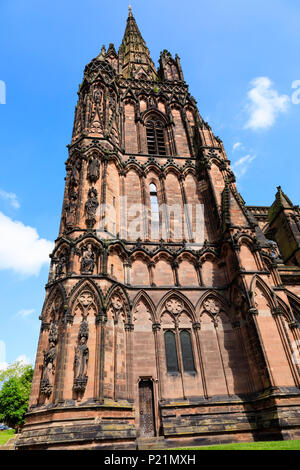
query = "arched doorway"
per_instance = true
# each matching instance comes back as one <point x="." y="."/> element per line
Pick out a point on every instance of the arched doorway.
<point x="146" y="409"/>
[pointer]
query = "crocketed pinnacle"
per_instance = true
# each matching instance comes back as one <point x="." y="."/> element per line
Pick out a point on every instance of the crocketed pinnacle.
<point x="282" y="201"/>
<point x="135" y="54"/>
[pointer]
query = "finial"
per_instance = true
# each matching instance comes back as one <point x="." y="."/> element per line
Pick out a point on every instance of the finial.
<point x="130" y="10"/>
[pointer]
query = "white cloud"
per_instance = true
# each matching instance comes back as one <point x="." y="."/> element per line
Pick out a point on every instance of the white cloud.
<point x="11" y="197"/>
<point x="25" y="360"/>
<point x="21" y="248"/>
<point x="25" y="313"/>
<point x="237" y="146"/>
<point x="264" y="104"/>
<point x="241" y="166"/>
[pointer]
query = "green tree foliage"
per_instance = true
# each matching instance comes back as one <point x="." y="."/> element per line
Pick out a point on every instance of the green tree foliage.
<point x="14" y="394"/>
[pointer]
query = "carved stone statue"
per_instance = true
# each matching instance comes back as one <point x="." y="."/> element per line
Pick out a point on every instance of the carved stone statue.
<point x="70" y="211"/>
<point x="46" y="385"/>
<point x="61" y="267"/>
<point x="97" y="96"/>
<point x="93" y="169"/>
<point x="91" y="207"/>
<point x="274" y="252"/>
<point x="75" y="174"/>
<point x="81" y="359"/>
<point x="88" y="260"/>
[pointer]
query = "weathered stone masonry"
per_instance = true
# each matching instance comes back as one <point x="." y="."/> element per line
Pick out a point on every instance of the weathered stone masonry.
<point x="157" y="337"/>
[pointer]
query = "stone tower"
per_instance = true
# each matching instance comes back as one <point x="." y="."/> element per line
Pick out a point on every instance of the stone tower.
<point x="166" y="316"/>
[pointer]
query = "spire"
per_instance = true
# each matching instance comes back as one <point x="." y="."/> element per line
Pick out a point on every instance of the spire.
<point x="137" y="62"/>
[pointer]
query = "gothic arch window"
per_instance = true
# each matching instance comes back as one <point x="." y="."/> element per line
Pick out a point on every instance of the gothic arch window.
<point x="187" y="352"/>
<point x="171" y="352"/>
<point x="155" y="131"/>
<point x="154" y="211"/>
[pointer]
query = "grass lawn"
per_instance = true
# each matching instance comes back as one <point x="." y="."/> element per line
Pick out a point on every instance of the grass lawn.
<point x="5" y="436"/>
<point x="276" y="445"/>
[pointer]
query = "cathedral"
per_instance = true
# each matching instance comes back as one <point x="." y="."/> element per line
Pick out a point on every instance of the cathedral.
<point x="172" y="309"/>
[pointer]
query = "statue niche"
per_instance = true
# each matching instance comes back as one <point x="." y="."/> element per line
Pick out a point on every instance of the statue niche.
<point x="47" y="381"/>
<point x="88" y="260"/>
<point x="75" y="175"/>
<point x="81" y="359"/>
<point x="70" y="211"/>
<point x="93" y="169"/>
<point x="91" y="207"/>
<point x="62" y="264"/>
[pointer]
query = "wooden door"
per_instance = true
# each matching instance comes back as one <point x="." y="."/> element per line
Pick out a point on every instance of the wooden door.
<point x="146" y="407"/>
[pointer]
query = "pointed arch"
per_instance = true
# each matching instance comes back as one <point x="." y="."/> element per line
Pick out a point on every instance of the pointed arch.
<point x="143" y="296"/>
<point x="57" y="292"/>
<point x="118" y="290"/>
<point x="285" y="309"/>
<point x="221" y="305"/>
<point x="186" y="307"/>
<point x="89" y="285"/>
<point x="154" y="112"/>
<point x="258" y="282"/>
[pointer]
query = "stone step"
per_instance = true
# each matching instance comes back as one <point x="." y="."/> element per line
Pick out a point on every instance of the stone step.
<point x="150" y="443"/>
<point x="10" y="444"/>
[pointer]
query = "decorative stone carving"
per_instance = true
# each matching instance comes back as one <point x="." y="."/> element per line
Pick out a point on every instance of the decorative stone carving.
<point x="81" y="359"/>
<point x="86" y="299"/>
<point x="117" y="307"/>
<point x="70" y="211"/>
<point x="46" y="385"/>
<point x="212" y="306"/>
<point x="93" y="169"/>
<point x="174" y="306"/>
<point x="88" y="260"/>
<point x="117" y="303"/>
<point x="85" y="304"/>
<point x="260" y="300"/>
<point x="273" y="250"/>
<point x="91" y="207"/>
<point x="75" y="174"/>
<point x="97" y="96"/>
<point x="61" y="267"/>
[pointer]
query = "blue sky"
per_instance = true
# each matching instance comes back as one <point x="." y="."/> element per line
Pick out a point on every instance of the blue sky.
<point x="240" y="59"/>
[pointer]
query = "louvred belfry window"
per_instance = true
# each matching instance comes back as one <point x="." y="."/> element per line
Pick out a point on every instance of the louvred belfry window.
<point x="156" y="137"/>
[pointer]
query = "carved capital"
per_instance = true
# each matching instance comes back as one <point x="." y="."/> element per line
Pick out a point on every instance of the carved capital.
<point x="101" y="319"/>
<point x="253" y="311"/>
<point x="129" y="326"/>
<point x="276" y="311"/>
<point x="156" y="327"/>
